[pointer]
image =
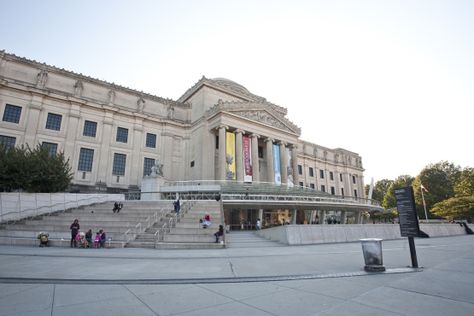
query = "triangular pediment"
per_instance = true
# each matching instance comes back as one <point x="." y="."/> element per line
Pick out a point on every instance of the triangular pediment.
<point x="265" y="113"/>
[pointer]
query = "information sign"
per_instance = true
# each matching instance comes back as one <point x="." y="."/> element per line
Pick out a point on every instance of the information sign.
<point x="409" y="226"/>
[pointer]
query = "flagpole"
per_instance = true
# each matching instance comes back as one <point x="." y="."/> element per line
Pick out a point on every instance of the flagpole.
<point x="424" y="204"/>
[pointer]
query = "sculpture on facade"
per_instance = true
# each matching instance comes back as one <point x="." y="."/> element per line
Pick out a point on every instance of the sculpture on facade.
<point x="140" y="104"/>
<point x="111" y="97"/>
<point x="170" y="113"/>
<point x="157" y="170"/>
<point x="78" y="87"/>
<point x="41" y="78"/>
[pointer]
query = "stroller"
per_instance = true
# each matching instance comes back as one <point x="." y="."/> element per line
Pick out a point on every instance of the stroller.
<point x="44" y="239"/>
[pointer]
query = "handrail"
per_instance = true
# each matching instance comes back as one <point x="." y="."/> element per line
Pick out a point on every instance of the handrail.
<point x="52" y="207"/>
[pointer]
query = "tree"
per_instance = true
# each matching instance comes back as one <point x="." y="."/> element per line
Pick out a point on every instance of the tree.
<point x="439" y="180"/>
<point x="34" y="170"/>
<point x="389" y="200"/>
<point x="456" y="208"/>
<point x="461" y="206"/>
<point x="465" y="183"/>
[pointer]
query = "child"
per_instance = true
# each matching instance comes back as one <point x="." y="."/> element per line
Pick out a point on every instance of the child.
<point x="97" y="240"/>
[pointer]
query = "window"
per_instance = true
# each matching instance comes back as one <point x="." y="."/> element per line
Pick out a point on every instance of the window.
<point x="192" y="163"/>
<point x="301" y="184"/>
<point x="340" y="177"/>
<point x="260" y="152"/>
<point x="52" y="148"/>
<point x="54" y="121"/>
<point x="119" y="164"/>
<point x="122" y="135"/>
<point x="321" y="174"/>
<point x="90" y="128"/>
<point x="12" y="113"/>
<point x="150" y="140"/>
<point x="333" y="190"/>
<point x="311" y="185"/>
<point x="331" y="175"/>
<point x="311" y="172"/>
<point x="147" y="164"/>
<point x="323" y="188"/>
<point x="300" y="169"/>
<point x="86" y="157"/>
<point x="354" y="179"/>
<point x="342" y="191"/>
<point x="217" y="141"/>
<point x="7" y="141"/>
<point x="355" y="193"/>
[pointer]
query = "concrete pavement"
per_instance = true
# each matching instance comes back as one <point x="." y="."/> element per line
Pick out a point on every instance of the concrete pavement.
<point x="288" y="280"/>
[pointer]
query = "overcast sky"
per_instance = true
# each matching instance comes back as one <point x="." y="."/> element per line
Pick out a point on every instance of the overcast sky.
<point x="390" y="80"/>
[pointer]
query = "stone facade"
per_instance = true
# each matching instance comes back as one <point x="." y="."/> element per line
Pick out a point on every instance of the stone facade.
<point x="113" y="134"/>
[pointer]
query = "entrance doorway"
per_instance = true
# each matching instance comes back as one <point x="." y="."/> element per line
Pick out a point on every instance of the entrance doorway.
<point x="238" y="219"/>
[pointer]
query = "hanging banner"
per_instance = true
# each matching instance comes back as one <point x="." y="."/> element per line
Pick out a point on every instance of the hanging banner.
<point x="247" y="156"/>
<point x="289" y="167"/>
<point x="230" y="156"/>
<point x="276" y="163"/>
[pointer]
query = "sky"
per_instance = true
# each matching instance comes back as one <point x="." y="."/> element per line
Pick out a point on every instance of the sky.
<point x="390" y="80"/>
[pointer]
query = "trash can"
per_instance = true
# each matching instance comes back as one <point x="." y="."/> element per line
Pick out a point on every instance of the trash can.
<point x="372" y="250"/>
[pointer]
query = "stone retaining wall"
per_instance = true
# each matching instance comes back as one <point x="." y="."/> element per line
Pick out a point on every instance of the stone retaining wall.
<point x="319" y="234"/>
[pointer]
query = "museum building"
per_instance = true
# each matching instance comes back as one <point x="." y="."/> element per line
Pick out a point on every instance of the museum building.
<point x="113" y="135"/>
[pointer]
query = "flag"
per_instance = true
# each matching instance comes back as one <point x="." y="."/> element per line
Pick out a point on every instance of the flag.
<point x="423" y="188"/>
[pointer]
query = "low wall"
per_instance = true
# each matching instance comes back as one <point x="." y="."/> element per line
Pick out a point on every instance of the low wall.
<point x="320" y="234"/>
<point x="15" y="206"/>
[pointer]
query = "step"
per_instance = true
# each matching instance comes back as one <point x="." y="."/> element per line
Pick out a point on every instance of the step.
<point x="175" y="245"/>
<point x="189" y="238"/>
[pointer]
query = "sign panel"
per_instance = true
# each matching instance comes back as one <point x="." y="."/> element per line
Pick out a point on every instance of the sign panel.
<point x="276" y="163"/>
<point x="230" y="156"/>
<point x="247" y="156"/>
<point x="409" y="226"/>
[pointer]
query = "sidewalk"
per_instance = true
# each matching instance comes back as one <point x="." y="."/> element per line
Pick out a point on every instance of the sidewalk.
<point x="305" y="280"/>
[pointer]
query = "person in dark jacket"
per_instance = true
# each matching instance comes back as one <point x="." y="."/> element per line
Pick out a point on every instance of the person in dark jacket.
<point x="74" y="231"/>
<point x="219" y="233"/>
<point x="89" y="238"/>
<point x="103" y="238"/>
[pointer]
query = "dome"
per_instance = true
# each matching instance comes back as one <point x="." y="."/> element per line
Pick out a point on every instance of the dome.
<point x="230" y="84"/>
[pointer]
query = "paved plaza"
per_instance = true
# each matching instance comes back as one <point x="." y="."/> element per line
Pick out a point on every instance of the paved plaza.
<point x="243" y="279"/>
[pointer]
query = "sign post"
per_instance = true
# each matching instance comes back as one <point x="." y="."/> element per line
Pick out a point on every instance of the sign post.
<point x="409" y="226"/>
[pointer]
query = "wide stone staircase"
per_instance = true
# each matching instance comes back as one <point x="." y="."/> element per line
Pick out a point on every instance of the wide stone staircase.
<point x="185" y="232"/>
<point x="140" y="224"/>
<point x="119" y="227"/>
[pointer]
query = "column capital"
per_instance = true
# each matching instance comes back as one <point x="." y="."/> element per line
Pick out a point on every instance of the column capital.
<point x="268" y="139"/>
<point x="239" y="131"/>
<point x="282" y="143"/>
<point x="253" y="135"/>
<point x="223" y="126"/>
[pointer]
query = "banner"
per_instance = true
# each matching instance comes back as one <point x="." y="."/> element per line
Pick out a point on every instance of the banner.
<point x="247" y="156"/>
<point x="276" y="163"/>
<point x="289" y="167"/>
<point x="230" y="156"/>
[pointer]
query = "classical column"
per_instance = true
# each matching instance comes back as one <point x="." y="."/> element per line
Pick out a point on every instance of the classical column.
<point x="238" y="155"/>
<point x="283" y="163"/>
<point x="293" y="217"/>
<point x="269" y="157"/>
<point x="255" y="166"/>
<point x="294" y="161"/>
<point x="343" y="217"/>
<point x="221" y="159"/>
<point x="136" y="173"/>
<point x="102" y="154"/>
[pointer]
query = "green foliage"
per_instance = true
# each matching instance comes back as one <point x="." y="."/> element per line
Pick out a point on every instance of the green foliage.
<point x="456" y="208"/>
<point x="34" y="170"/>
<point x="465" y="183"/>
<point x="439" y="180"/>
<point x="389" y="200"/>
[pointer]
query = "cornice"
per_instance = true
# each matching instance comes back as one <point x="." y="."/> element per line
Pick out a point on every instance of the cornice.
<point x="83" y="78"/>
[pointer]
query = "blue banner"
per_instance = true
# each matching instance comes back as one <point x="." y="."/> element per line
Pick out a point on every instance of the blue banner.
<point x="276" y="163"/>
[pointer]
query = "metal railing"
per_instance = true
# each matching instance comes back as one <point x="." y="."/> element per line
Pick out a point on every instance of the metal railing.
<point x="171" y="223"/>
<point x="18" y="206"/>
<point x="140" y="227"/>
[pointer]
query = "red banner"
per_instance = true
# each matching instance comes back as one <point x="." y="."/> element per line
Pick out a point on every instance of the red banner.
<point x="247" y="156"/>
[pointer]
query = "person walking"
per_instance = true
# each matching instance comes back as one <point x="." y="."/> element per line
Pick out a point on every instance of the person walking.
<point x="74" y="231"/>
<point x="258" y="226"/>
